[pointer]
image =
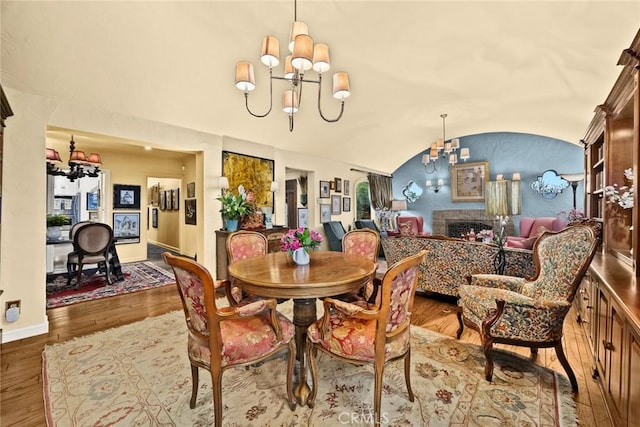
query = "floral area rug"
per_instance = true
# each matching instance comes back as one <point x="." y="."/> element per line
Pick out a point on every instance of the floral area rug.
<point x="137" y="277"/>
<point x="139" y="374"/>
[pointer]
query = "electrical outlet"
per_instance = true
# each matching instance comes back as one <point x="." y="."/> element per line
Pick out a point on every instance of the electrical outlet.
<point x="10" y="304"/>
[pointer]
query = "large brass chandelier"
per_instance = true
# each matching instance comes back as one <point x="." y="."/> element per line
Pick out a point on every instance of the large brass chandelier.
<point x="304" y="56"/>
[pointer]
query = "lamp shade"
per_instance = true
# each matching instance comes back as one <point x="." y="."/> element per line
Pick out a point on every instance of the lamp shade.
<point x="428" y="183"/>
<point x="223" y="182"/>
<point x="455" y="144"/>
<point x="497" y="198"/>
<point x="341" y="88"/>
<point x="398" y="205"/>
<point x="95" y="159"/>
<point x="245" y="79"/>
<point x="297" y="27"/>
<point x="290" y="101"/>
<point x="274" y="186"/>
<point x="289" y="72"/>
<point x="302" y="52"/>
<point x="321" y="61"/>
<point x="270" y="52"/>
<point x="425" y="159"/>
<point x="464" y="154"/>
<point x="53" y="155"/>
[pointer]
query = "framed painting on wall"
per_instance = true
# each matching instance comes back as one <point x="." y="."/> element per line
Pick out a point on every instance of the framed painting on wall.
<point x="324" y="189"/>
<point x="126" y="196"/>
<point x="303" y="217"/>
<point x="191" y="190"/>
<point x="163" y="200"/>
<point x="468" y="181"/>
<point x="126" y="227"/>
<point x="93" y="200"/>
<point x="325" y="213"/>
<point x="255" y="174"/>
<point x="190" y="211"/>
<point x="346" y="204"/>
<point x="175" y="199"/>
<point x="154" y="217"/>
<point x="346" y="187"/>
<point x="335" y="205"/>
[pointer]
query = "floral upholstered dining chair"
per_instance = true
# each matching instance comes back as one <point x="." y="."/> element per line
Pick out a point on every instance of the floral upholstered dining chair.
<point x="375" y="335"/>
<point x="366" y="243"/>
<point x="530" y="311"/>
<point x="241" y="245"/>
<point x="226" y="337"/>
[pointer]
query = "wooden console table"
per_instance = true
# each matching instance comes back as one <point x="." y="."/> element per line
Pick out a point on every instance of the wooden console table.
<point x="273" y="236"/>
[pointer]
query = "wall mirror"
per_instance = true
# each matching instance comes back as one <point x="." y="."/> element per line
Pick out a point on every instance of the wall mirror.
<point x="549" y="184"/>
<point x="412" y="192"/>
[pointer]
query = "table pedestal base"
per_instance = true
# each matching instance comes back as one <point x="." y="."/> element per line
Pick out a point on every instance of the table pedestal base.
<point x="304" y="314"/>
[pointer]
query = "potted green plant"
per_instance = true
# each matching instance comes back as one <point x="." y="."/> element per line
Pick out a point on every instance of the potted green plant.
<point x="54" y="222"/>
<point x="234" y="207"/>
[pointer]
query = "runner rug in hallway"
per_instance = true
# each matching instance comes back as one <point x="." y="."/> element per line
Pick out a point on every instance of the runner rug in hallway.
<point x="138" y="276"/>
<point x="139" y="374"/>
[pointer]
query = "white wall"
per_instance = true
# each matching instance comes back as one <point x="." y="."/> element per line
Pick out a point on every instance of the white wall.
<point x="22" y="272"/>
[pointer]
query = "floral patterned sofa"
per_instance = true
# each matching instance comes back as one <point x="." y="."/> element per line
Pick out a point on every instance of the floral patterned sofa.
<point x="449" y="261"/>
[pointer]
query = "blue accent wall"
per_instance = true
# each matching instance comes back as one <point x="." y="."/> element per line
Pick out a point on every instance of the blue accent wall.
<point x="506" y="152"/>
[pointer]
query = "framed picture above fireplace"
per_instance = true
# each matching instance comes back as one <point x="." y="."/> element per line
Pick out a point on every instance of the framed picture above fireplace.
<point x="468" y="181"/>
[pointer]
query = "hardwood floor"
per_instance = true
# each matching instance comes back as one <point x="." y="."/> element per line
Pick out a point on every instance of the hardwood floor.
<point x="21" y="361"/>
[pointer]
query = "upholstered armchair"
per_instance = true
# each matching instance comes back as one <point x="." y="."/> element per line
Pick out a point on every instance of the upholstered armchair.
<point x="334" y="230"/>
<point x="409" y="226"/>
<point x="371" y="225"/>
<point x="240" y="245"/>
<point x="225" y="337"/>
<point x="363" y="242"/>
<point x="376" y="334"/>
<point x="530" y="311"/>
<point x="531" y="228"/>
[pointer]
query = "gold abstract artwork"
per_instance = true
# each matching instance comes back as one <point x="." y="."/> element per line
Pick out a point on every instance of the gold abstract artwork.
<point x="254" y="173"/>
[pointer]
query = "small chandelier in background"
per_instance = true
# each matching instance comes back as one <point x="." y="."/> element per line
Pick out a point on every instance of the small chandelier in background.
<point x="79" y="164"/>
<point x="442" y="151"/>
<point x="304" y="56"/>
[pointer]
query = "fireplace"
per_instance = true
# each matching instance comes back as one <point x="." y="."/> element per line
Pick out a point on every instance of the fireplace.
<point x="456" y="222"/>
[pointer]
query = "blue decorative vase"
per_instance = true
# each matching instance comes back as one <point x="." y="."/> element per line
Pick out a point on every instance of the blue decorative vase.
<point x="300" y="256"/>
<point x="231" y="224"/>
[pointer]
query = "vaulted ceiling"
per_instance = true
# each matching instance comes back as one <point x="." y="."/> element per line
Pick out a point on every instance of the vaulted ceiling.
<point x="531" y="66"/>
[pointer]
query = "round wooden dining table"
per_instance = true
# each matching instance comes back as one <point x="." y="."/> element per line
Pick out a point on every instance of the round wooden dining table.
<point x="275" y="275"/>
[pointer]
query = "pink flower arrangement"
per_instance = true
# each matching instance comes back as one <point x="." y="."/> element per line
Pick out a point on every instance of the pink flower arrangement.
<point x="300" y="238"/>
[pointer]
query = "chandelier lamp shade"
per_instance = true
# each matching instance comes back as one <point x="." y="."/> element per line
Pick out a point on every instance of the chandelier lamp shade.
<point x="443" y="151"/>
<point x="304" y="56"/>
<point x="80" y="165"/>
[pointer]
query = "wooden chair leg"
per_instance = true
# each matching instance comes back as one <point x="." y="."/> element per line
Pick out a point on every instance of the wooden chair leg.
<point x="378" y="369"/>
<point x="311" y="360"/>
<point x="487" y="340"/>
<point x="290" y="366"/>
<point x="216" y="383"/>
<point x="194" y="386"/>
<point x="460" y="322"/>
<point x="488" y="367"/>
<point x="79" y="276"/>
<point x="565" y="364"/>
<point x="407" y="374"/>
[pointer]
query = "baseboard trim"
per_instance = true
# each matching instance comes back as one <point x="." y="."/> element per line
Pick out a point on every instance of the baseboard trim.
<point x="28" y="332"/>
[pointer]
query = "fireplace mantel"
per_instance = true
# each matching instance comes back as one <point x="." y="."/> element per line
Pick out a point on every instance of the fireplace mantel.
<point x="442" y="219"/>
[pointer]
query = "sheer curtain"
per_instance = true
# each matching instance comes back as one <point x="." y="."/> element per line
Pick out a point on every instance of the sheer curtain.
<point x="381" y="191"/>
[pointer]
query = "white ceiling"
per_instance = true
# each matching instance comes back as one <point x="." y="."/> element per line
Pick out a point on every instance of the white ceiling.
<point x="522" y="66"/>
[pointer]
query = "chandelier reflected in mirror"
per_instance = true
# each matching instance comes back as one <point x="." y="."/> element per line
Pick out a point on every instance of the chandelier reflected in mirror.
<point x="443" y="152"/>
<point x="304" y="56"/>
<point x="79" y="164"/>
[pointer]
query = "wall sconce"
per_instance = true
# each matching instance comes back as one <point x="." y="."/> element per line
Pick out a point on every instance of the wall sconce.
<point x="435" y="188"/>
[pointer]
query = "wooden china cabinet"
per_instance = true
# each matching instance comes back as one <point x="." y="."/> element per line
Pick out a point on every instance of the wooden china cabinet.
<point x="608" y="301"/>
